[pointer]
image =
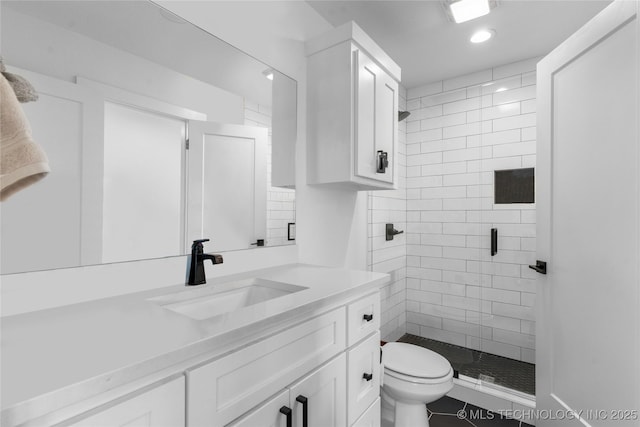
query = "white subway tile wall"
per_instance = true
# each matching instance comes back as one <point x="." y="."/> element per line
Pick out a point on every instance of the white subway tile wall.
<point x="281" y="202"/>
<point x="460" y="130"/>
<point x="390" y="206"/>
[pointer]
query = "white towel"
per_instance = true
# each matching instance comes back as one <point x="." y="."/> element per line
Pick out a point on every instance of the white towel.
<point x="22" y="161"/>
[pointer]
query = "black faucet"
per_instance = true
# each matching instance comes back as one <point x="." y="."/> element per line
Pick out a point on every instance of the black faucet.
<point x="195" y="272"/>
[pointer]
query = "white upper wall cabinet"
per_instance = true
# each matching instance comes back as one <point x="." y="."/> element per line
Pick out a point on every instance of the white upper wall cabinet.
<point x="352" y="122"/>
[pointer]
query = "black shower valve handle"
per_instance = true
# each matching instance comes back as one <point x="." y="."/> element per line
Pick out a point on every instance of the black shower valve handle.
<point x="540" y="267"/>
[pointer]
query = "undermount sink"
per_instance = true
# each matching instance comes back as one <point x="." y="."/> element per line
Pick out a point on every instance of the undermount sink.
<point x="202" y="304"/>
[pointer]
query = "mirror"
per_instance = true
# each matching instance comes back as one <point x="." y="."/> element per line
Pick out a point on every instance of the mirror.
<point x="157" y="133"/>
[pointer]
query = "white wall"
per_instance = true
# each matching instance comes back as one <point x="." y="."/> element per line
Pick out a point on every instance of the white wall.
<point x="391" y="256"/>
<point x="460" y="131"/>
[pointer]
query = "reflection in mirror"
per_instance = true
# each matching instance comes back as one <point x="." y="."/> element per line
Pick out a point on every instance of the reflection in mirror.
<point x="157" y="134"/>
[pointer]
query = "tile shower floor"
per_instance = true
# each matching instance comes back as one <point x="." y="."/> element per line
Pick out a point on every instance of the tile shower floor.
<point x="505" y="372"/>
<point x="448" y="412"/>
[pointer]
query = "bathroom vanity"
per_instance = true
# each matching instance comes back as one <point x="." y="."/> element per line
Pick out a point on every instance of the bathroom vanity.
<point x="296" y="344"/>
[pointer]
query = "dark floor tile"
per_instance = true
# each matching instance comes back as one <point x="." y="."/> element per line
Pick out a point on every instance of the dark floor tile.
<point x="446" y="405"/>
<point x="448" y="421"/>
<point x="480" y="417"/>
<point x="506" y="372"/>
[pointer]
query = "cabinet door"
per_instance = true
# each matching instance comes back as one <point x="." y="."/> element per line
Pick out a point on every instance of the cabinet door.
<point x="163" y="406"/>
<point x="386" y="123"/>
<point x="363" y="376"/>
<point x="325" y="391"/>
<point x="376" y="118"/>
<point x="267" y="415"/>
<point x="371" y="417"/>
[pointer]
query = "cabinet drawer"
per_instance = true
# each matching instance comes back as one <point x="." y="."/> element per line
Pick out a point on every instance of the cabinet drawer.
<point x="363" y="317"/>
<point x="267" y="415"/>
<point x="363" y="382"/>
<point x="162" y="406"/>
<point x="371" y="418"/>
<point x="230" y="386"/>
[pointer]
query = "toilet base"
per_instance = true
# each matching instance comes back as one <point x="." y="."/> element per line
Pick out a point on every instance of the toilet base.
<point x="402" y="414"/>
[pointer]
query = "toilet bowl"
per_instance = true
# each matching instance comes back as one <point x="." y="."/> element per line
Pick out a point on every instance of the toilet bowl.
<point x="413" y="377"/>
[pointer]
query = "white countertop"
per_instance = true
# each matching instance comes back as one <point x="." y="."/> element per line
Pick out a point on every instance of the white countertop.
<point x="95" y="345"/>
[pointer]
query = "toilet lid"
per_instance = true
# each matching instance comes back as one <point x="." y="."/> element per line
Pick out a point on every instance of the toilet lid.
<point x="413" y="360"/>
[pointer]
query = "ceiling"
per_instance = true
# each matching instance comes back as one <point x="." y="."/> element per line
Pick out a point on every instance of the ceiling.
<point x="428" y="47"/>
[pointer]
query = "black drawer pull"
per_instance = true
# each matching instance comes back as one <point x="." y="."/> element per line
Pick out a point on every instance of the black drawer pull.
<point x="367" y="377"/>
<point x="287" y="412"/>
<point x="305" y="417"/>
<point x="368" y="317"/>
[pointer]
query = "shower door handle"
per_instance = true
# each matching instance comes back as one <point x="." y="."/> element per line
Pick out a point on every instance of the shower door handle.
<point x="540" y="267"/>
<point x="494" y="241"/>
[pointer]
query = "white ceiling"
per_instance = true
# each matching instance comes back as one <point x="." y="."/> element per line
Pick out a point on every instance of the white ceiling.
<point x="428" y="47"/>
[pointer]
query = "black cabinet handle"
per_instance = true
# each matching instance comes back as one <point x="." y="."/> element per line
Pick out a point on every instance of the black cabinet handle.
<point x="367" y="377"/>
<point x="368" y="317"/>
<point x="305" y="416"/>
<point x="494" y="241"/>
<point x="383" y="162"/>
<point x="287" y="412"/>
<point x="540" y="267"/>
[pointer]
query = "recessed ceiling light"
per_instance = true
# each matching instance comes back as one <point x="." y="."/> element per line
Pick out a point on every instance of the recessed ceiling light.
<point x="466" y="10"/>
<point x="481" y="36"/>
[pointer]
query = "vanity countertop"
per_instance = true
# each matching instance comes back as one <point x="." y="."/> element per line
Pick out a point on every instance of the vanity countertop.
<point x="51" y="355"/>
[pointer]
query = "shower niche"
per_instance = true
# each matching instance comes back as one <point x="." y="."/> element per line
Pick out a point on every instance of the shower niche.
<point x="514" y="186"/>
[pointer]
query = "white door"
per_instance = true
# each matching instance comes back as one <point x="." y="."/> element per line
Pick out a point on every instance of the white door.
<point x="588" y="199"/>
<point x="227" y="184"/>
<point x="325" y="392"/>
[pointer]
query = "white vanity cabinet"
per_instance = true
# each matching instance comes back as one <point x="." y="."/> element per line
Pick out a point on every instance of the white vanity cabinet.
<point x="330" y="364"/>
<point x="352" y="111"/>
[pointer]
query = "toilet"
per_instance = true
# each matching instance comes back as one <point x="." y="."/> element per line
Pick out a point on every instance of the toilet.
<point x="413" y="377"/>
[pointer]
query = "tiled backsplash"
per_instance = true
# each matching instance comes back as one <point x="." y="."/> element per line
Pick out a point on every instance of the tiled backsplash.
<point x="281" y="202"/>
<point x="460" y="131"/>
